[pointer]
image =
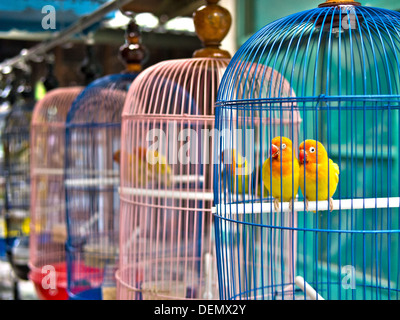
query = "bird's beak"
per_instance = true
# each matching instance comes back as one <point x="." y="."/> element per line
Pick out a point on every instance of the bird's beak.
<point x="274" y="151"/>
<point x="302" y="156"/>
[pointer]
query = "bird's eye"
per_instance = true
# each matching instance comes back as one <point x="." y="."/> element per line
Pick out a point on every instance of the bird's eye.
<point x="283" y="146"/>
<point x="312" y="149"/>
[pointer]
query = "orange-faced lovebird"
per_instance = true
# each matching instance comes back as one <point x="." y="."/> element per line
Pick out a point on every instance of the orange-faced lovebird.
<point x="285" y="172"/>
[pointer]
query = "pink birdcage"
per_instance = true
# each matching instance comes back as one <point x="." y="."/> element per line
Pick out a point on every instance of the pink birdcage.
<point x="48" y="228"/>
<point x="167" y="249"/>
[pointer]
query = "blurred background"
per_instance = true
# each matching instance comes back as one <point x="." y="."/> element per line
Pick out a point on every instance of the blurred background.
<point x="167" y="30"/>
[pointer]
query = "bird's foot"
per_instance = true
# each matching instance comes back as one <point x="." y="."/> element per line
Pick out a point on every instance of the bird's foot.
<point x="276" y="205"/>
<point x="331" y="204"/>
<point x="291" y="205"/>
<point x="306" y="207"/>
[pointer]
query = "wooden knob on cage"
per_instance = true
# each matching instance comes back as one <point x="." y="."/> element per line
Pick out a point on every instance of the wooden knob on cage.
<point x="327" y="22"/>
<point x="212" y="23"/>
<point x="133" y="53"/>
<point x="334" y="3"/>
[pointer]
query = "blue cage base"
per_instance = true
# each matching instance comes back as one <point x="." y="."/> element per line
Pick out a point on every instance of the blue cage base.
<point x="90" y="294"/>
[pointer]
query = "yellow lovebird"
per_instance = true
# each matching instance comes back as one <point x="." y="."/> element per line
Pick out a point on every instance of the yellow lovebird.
<point x="238" y="172"/>
<point x="285" y="172"/>
<point x="239" y="176"/>
<point x="309" y="152"/>
<point x="157" y="168"/>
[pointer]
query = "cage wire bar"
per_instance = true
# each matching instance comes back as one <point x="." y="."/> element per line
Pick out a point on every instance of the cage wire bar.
<point x="48" y="230"/>
<point x="93" y="143"/>
<point x="167" y="247"/>
<point x="341" y="62"/>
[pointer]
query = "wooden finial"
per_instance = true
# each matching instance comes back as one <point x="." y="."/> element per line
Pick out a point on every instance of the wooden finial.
<point x="327" y="23"/>
<point x="334" y="3"/>
<point x="212" y="23"/>
<point x="132" y="53"/>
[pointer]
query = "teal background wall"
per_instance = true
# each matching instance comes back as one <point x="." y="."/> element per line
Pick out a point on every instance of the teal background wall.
<point x="254" y="14"/>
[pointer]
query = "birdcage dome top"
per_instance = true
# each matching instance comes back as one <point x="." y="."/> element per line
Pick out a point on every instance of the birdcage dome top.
<point x="181" y="87"/>
<point x="19" y="118"/>
<point x="54" y="106"/>
<point x="101" y="101"/>
<point x="328" y="56"/>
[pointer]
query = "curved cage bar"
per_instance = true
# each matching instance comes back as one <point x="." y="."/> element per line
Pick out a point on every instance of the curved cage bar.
<point x="16" y="144"/>
<point x="167" y="250"/>
<point x="93" y="134"/>
<point x="328" y="75"/>
<point x="3" y="227"/>
<point x="48" y="230"/>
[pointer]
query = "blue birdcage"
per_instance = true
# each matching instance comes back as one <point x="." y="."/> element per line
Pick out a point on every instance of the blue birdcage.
<point x="16" y="146"/>
<point x="5" y="107"/>
<point x="308" y="206"/>
<point x="6" y="274"/>
<point x="93" y="134"/>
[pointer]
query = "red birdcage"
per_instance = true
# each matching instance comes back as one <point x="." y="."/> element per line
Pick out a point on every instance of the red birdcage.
<point x="166" y="246"/>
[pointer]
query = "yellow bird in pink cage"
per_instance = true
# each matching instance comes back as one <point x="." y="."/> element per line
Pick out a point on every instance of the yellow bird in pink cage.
<point x="151" y="166"/>
<point x="313" y="159"/>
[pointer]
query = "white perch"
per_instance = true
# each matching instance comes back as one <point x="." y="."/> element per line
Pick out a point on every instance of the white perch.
<point x="310" y="292"/>
<point x="61" y="171"/>
<point x="90" y="182"/>
<point x="47" y="171"/>
<point x="187" y="178"/>
<point x="102" y="181"/>
<point x="343" y="204"/>
<point x="171" y="194"/>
